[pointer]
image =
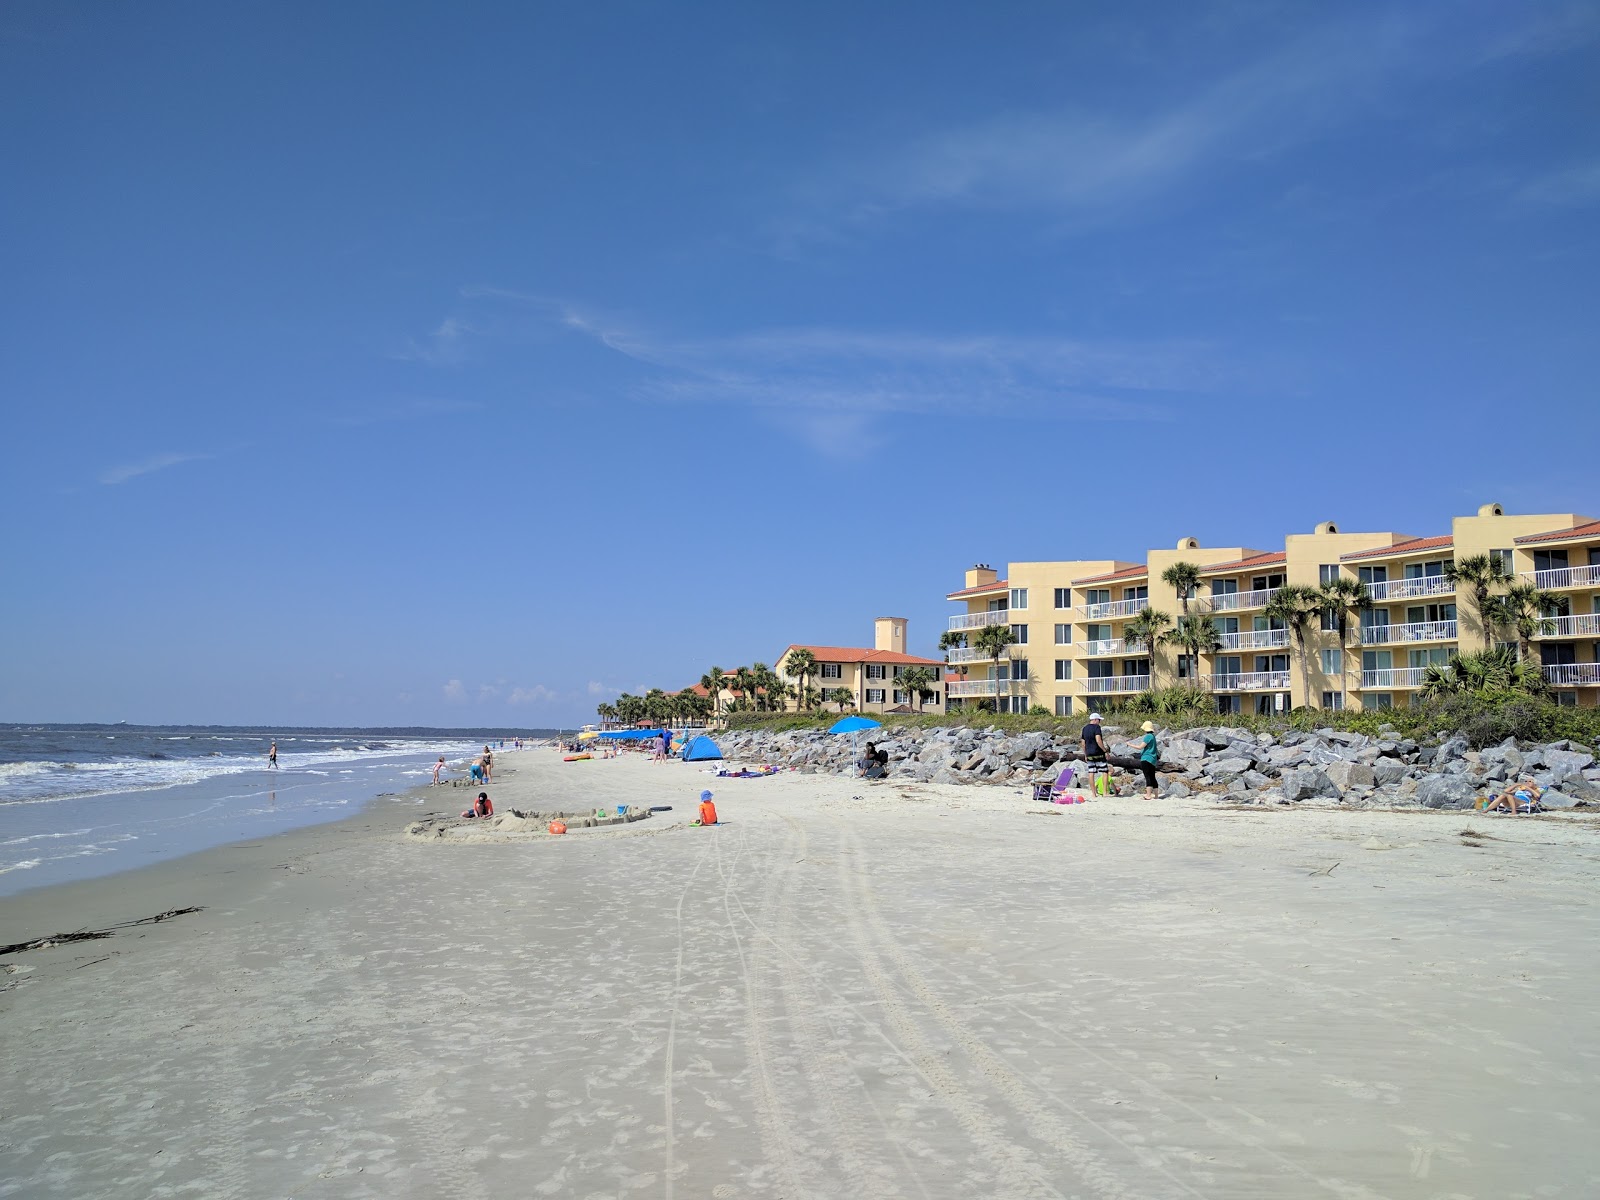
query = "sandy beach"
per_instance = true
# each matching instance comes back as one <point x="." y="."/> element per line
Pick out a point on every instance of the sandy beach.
<point x="845" y="990"/>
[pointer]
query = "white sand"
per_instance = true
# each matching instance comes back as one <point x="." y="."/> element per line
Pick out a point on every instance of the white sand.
<point x="926" y="992"/>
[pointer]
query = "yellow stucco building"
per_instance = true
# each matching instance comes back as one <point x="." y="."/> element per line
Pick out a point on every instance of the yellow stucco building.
<point x="871" y="674"/>
<point x="1070" y="620"/>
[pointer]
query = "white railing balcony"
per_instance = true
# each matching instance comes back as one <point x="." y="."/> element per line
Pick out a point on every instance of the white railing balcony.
<point x="959" y="654"/>
<point x="1256" y="639"/>
<point x="1112" y="609"/>
<point x="1105" y="646"/>
<point x="977" y="620"/>
<point x="1385" y="678"/>
<point x="1577" y="625"/>
<point x="1573" y="674"/>
<point x="1564" y="577"/>
<point x="1404" y="589"/>
<point x="979" y="687"/>
<point x="1249" y="681"/>
<point x="1233" y="601"/>
<point x="1416" y="631"/>
<point x="1119" y="683"/>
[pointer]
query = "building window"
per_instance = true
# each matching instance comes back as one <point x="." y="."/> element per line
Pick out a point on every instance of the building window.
<point x="1063" y="706"/>
<point x="1327" y="573"/>
<point x="1063" y="668"/>
<point x="1228" y="704"/>
<point x="874" y="695"/>
<point x="1332" y="663"/>
<point x="876" y="671"/>
<point x="1019" y="635"/>
<point x="1063" y="597"/>
<point x="1333" y="700"/>
<point x="1142" y="592"/>
<point x="1019" y="668"/>
<point x="1330" y="620"/>
<point x="1186" y="668"/>
<point x="1503" y="557"/>
<point x="900" y="697"/>
<point x="1063" y="635"/>
<point x="1566" y="699"/>
<point x="831" y="671"/>
<point x="1019" y="597"/>
<point x="1097" y="596"/>
<point x="1378" y="702"/>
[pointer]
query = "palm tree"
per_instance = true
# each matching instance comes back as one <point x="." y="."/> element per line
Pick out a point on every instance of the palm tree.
<point x="952" y="639"/>
<point x="1147" y="627"/>
<point x="606" y="712"/>
<point x="1480" y="574"/>
<point x="1294" y="604"/>
<point x="745" y="683"/>
<point x="1345" y="597"/>
<point x="800" y="664"/>
<point x="914" y="680"/>
<point x="992" y="641"/>
<point x="763" y="678"/>
<point x="1524" y="608"/>
<point x="1493" y="671"/>
<point x="1183" y="578"/>
<point x="840" y="696"/>
<point x="714" y="681"/>
<point x="1195" y="635"/>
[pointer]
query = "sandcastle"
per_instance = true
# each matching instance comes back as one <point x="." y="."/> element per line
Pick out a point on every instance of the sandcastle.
<point x="516" y="823"/>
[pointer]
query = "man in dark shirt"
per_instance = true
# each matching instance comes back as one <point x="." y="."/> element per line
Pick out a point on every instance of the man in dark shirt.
<point x="1094" y="754"/>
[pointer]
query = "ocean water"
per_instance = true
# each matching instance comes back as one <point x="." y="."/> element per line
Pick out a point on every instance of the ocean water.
<point x="78" y="801"/>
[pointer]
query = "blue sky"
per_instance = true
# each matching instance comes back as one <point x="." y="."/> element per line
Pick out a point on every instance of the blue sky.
<point x="456" y="364"/>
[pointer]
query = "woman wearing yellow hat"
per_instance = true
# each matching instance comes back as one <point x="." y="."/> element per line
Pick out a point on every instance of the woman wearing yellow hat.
<point x="1149" y="756"/>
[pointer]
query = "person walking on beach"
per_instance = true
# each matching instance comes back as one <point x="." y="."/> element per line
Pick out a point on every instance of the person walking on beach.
<point x="488" y="764"/>
<point x="438" y="769"/>
<point x="272" y="756"/>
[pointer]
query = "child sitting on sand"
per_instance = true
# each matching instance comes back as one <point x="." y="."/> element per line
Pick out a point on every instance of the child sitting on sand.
<point x="481" y="807"/>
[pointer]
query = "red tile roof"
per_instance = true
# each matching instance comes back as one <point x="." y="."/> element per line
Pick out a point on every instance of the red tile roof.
<point x="862" y="654"/>
<point x="999" y="585"/>
<point x="1592" y="529"/>
<point x="1407" y="546"/>
<point x="1124" y="573"/>
<point x="1270" y="559"/>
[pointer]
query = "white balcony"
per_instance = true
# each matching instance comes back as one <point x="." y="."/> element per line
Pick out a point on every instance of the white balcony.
<point x="1577" y="625"/>
<point x="1112" y="609"/>
<point x="1234" y="601"/>
<point x="1105" y="646"/>
<point x="1119" y="683"/>
<point x="1386" y="678"/>
<point x="1573" y="674"/>
<point x="968" y="655"/>
<point x="1416" y="631"/>
<point x="1564" y="577"/>
<point x="1404" y="589"/>
<point x="1256" y="639"/>
<point x="1249" y="681"/>
<point x="977" y="620"/>
<point x="957" y="688"/>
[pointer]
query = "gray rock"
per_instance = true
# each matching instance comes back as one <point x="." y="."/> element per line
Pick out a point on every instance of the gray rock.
<point x="1559" y="800"/>
<point x="1581" y="789"/>
<point x="1304" y="783"/>
<point x="1446" y="791"/>
<point x="1183" y="750"/>
<point x="1177" y="788"/>
<point x="1351" y="775"/>
<point x="1353" y="740"/>
<point x="1563" y="763"/>
<point x="1387" y="771"/>
<point x="1254" y="780"/>
<point x="1286" y="756"/>
<point x="1223" y="769"/>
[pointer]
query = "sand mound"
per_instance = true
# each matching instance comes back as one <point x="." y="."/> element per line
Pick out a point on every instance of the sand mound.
<point x="516" y="824"/>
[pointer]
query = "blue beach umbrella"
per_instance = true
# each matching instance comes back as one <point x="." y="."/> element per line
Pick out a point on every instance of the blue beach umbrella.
<point x="853" y="726"/>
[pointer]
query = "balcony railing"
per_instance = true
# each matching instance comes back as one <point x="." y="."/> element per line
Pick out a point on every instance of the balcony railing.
<point x="1416" y="631"/>
<point x="977" y="620"/>
<point x="1404" y="589"/>
<point x="1577" y="625"/>
<point x="1385" y="678"/>
<point x="1105" y="646"/>
<point x="1112" y="609"/>
<point x="967" y="655"/>
<point x="1234" y="601"/>
<point x="1249" y="681"/>
<point x="1119" y="683"/>
<point x="1256" y="639"/>
<point x="1565" y="577"/>
<point x="986" y="687"/>
<point x="1573" y="674"/>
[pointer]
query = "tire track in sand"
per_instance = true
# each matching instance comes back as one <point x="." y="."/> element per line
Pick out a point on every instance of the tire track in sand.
<point x="672" y="1031"/>
<point x="1020" y="1093"/>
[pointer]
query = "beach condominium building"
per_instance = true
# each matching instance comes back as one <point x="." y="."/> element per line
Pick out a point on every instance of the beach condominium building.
<point x="873" y="676"/>
<point x="1088" y="633"/>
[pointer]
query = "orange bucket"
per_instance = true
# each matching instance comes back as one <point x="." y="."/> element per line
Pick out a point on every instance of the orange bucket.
<point x="558" y="826"/>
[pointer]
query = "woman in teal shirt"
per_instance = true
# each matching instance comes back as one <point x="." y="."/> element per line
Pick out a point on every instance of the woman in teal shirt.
<point x="1149" y="756"/>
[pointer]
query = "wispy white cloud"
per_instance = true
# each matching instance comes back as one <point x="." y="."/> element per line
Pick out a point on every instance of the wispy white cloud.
<point x="455" y="692"/>
<point x="537" y="694"/>
<point x="446" y="345"/>
<point x="1571" y="187"/>
<point x="149" y="466"/>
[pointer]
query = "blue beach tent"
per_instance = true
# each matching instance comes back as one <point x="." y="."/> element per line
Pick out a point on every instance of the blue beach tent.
<point x="701" y="749"/>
